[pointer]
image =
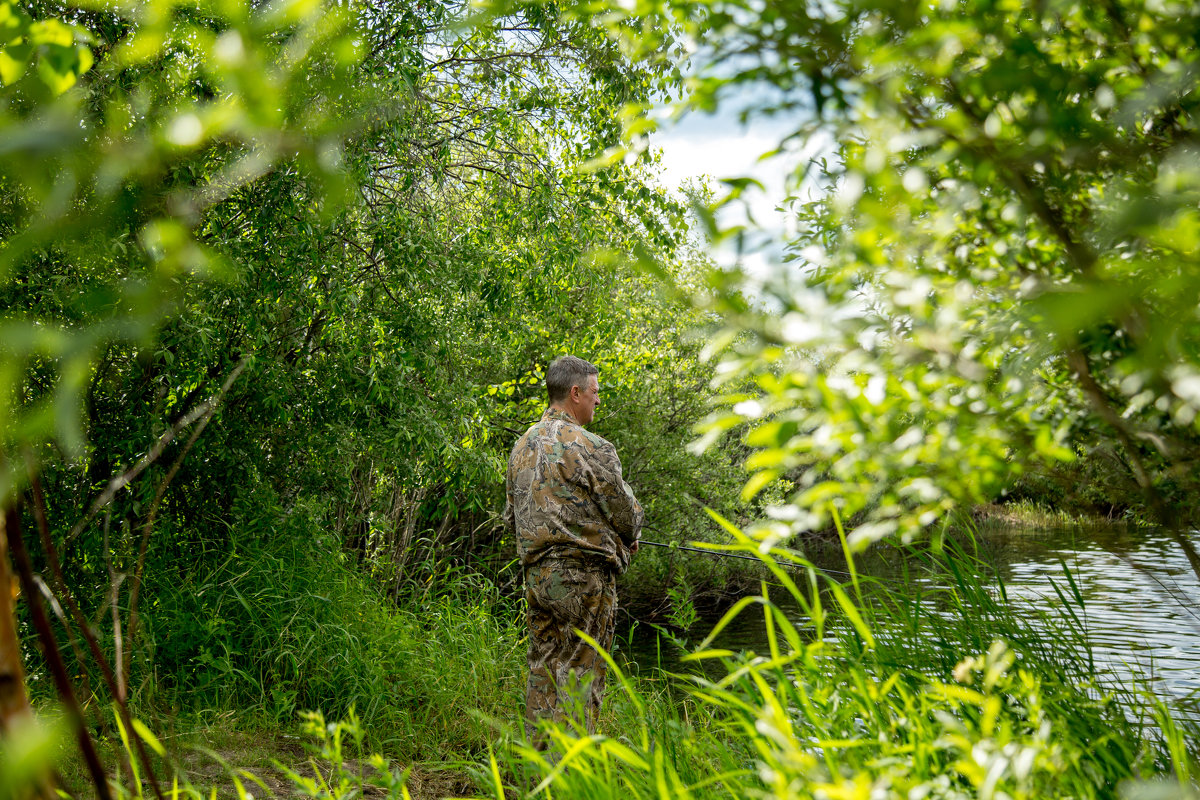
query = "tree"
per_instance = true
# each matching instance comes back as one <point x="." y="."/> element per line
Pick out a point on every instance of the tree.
<point x="367" y="292"/>
<point x="999" y="270"/>
<point x="105" y="172"/>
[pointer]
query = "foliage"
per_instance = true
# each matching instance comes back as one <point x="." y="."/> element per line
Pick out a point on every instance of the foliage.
<point x="105" y="180"/>
<point x="683" y="609"/>
<point x="332" y="740"/>
<point x="337" y="765"/>
<point x="289" y="627"/>
<point x="296" y="300"/>
<point x="409" y="210"/>
<point x="995" y="264"/>
<point x="879" y="701"/>
<point x="104" y="128"/>
<point x="277" y="281"/>
<point x="56" y="52"/>
<point x="937" y="685"/>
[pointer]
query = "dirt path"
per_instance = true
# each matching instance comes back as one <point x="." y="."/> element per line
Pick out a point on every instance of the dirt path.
<point x="273" y="782"/>
<point x="221" y="759"/>
<point x="269" y="761"/>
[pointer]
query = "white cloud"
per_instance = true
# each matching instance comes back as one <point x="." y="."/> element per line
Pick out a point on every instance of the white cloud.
<point x="711" y="147"/>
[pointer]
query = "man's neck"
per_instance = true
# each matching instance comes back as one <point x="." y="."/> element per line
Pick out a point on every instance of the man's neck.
<point x="562" y="408"/>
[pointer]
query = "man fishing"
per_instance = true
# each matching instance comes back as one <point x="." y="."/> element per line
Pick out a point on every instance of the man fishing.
<point x="577" y="525"/>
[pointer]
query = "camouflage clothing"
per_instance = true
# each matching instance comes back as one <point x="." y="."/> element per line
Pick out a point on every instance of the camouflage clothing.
<point x="574" y="519"/>
<point x="565" y="673"/>
<point x="566" y="496"/>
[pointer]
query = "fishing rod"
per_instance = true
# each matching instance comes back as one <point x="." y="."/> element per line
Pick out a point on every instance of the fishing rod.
<point x="747" y="558"/>
<point x="720" y="554"/>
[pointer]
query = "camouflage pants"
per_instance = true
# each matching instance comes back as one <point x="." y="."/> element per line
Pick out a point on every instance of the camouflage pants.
<point x="566" y="675"/>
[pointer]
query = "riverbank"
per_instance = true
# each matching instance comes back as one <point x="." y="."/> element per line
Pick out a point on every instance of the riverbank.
<point x="952" y="691"/>
<point x="1024" y="515"/>
<point x="676" y="587"/>
<point x="437" y="683"/>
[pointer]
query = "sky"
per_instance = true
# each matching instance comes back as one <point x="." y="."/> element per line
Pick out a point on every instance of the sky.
<point x="719" y="146"/>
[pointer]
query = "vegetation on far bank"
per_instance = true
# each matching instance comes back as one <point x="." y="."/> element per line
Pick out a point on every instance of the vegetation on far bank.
<point x="1028" y="515"/>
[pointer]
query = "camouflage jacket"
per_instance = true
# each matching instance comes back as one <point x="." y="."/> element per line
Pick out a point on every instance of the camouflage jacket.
<point x="566" y="496"/>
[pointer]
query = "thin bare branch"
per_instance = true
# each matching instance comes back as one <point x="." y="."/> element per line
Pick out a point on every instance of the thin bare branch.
<point x="135" y="583"/>
<point x="124" y="479"/>
<point x="50" y="651"/>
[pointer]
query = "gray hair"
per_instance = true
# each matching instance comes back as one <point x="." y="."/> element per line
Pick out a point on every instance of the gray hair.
<point x="565" y="372"/>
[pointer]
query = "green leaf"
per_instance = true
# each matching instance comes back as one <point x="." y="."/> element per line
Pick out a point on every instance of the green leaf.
<point x="149" y="737"/>
<point x="14" y="60"/>
<point x="852" y="613"/>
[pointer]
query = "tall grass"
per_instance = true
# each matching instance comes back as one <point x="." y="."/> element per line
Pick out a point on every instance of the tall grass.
<point x="936" y="688"/>
<point x="1034" y="515"/>
<point x="285" y="629"/>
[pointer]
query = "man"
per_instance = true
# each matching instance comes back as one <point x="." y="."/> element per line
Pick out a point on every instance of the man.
<point x="577" y="524"/>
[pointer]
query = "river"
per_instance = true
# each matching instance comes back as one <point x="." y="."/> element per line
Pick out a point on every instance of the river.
<point x="1141" y="602"/>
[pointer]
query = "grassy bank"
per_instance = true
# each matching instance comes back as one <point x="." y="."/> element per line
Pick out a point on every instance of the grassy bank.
<point x="287" y="629"/>
<point x="935" y="688"/>
<point x="231" y="657"/>
<point x="943" y="691"/>
<point x="1030" y="515"/>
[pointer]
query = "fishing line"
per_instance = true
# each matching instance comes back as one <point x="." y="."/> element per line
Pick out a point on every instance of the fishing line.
<point x="720" y="554"/>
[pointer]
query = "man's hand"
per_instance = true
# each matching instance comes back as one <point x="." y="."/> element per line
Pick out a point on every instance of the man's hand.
<point x="633" y="548"/>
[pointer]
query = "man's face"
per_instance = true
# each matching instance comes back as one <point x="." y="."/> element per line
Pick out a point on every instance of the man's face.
<point x="587" y="400"/>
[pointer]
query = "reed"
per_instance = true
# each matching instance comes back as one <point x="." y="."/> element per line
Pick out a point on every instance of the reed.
<point x="1035" y="516"/>
<point x="940" y="687"/>
<point x="936" y="685"/>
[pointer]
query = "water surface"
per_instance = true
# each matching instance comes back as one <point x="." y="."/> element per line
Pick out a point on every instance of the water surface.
<point x="1141" y="608"/>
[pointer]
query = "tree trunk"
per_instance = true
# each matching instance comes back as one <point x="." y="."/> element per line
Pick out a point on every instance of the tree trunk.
<point x="15" y="712"/>
<point x="14" y="703"/>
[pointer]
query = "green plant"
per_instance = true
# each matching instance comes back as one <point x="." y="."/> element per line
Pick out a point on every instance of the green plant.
<point x="683" y="610"/>
<point x="332" y="778"/>
<point x="993" y="256"/>
<point x="283" y="628"/>
<point x="947" y="692"/>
